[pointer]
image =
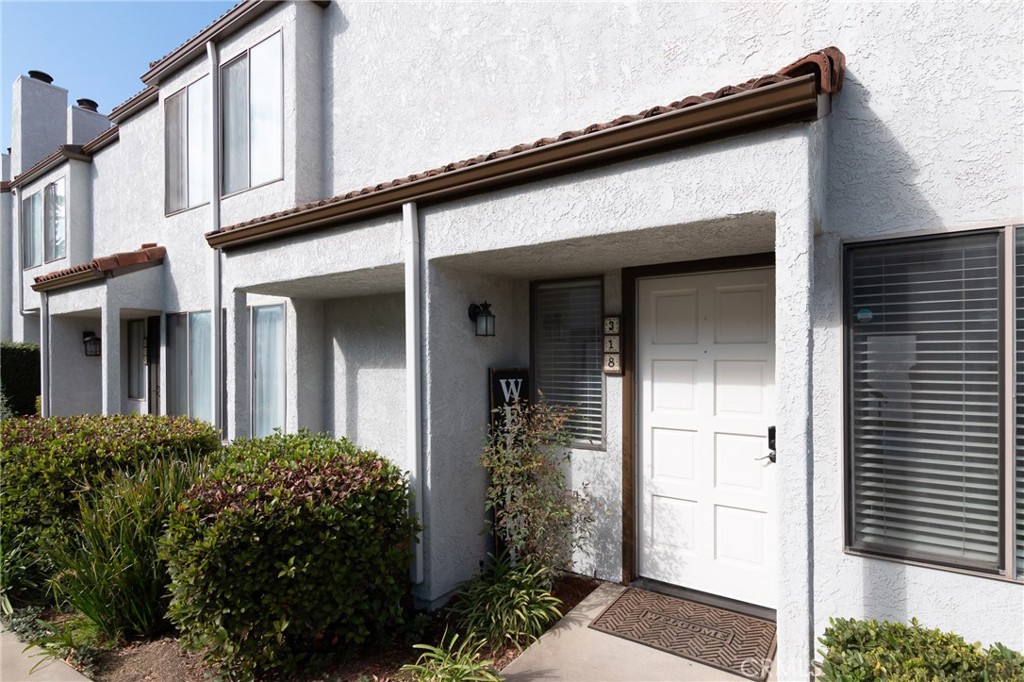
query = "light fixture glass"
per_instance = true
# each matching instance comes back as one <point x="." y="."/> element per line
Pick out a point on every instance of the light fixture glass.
<point x="93" y="345"/>
<point x="482" y="316"/>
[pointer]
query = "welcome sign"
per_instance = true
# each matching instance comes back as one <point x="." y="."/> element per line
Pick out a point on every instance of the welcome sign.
<point x="508" y="386"/>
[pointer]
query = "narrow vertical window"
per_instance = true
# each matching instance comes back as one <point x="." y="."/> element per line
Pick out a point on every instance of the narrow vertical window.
<point x="177" y="364"/>
<point x="268" y="369"/>
<point x="253" y="98"/>
<point x="32" y="230"/>
<point x="54" y="221"/>
<point x="924" y="399"/>
<point x="175" y="152"/>
<point x="137" y="359"/>
<point x="235" y="81"/>
<point x="200" y="369"/>
<point x="566" y="338"/>
<point x="200" y="142"/>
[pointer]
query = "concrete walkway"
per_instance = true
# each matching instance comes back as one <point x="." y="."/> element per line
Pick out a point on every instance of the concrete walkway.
<point x="572" y="652"/>
<point x="16" y="664"/>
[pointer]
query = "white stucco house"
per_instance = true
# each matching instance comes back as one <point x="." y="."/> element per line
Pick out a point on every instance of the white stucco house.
<point x="743" y="228"/>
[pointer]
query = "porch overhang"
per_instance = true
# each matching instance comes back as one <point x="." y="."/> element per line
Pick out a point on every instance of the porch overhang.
<point x="149" y="255"/>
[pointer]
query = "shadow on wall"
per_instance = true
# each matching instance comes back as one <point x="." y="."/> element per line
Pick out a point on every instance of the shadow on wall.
<point x="873" y="188"/>
<point x="365" y="372"/>
<point x="602" y="553"/>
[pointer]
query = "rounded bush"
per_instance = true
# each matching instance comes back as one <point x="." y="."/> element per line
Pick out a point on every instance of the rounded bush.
<point x="292" y="546"/>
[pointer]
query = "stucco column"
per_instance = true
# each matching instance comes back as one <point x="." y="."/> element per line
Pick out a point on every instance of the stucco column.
<point x="794" y="249"/>
<point x="110" y="335"/>
<point x="236" y="372"/>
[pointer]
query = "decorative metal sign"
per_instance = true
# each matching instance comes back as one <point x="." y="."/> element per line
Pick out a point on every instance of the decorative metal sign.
<point x="612" y="363"/>
<point x="507" y="387"/>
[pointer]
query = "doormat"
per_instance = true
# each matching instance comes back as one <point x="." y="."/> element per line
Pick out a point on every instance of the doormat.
<point x="730" y="641"/>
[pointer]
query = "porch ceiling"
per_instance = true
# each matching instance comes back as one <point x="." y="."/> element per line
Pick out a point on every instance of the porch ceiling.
<point x="383" y="280"/>
<point x="733" y="236"/>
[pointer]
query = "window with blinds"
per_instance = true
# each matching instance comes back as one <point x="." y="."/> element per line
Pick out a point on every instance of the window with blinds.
<point x="565" y="325"/>
<point x="924" y="325"/>
<point x="1019" y="352"/>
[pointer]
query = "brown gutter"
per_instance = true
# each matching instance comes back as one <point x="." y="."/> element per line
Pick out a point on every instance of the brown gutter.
<point x="786" y="102"/>
<point x="195" y="47"/>
<point x="134" y="105"/>
<point x="69" y="280"/>
<point x="5" y="185"/>
<point x="101" y="141"/>
<point x="65" y="152"/>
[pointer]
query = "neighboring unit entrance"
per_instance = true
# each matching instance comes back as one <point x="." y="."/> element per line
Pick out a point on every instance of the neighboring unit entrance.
<point x="705" y="399"/>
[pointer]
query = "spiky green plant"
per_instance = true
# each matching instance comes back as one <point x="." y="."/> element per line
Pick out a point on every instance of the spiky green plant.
<point x="452" y="661"/>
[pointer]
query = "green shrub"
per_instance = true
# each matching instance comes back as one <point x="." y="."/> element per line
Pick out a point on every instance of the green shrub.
<point x="538" y="518"/>
<point x="866" y="650"/>
<point x="19" y="376"/>
<point x="507" y="604"/>
<point x="291" y="547"/>
<point x="46" y="463"/>
<point x="109" y="570"/>
<point x="452" y="662"/>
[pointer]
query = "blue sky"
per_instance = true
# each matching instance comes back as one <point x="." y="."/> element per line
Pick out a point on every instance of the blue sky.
<point x="94" y="49"/>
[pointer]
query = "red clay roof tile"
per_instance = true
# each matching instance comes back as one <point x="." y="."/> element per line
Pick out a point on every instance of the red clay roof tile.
<point x="147" y="255"/>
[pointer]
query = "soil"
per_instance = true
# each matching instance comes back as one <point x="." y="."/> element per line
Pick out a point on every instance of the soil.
<point x="163" y="661"/>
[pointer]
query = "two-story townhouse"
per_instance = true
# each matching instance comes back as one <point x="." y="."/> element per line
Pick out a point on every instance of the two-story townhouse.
<point x="825" y="243"/>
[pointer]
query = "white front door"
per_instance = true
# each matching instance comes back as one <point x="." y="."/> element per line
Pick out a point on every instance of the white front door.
<point x="706" y="397"/>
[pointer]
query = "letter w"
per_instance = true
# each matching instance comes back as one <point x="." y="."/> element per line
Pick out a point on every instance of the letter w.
<point x="511" y="388"/>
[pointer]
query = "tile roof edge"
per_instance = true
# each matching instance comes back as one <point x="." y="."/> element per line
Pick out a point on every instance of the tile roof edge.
<point x="824" y="68"/>
<point x="102" y="141"/>
<point x="65" y="152"/>
<point x="120" y="263"/>
<point x="226" y="24"/>
<point x="134" y="104"/>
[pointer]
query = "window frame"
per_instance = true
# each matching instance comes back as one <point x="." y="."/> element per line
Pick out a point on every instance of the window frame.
<point x="602" y="444"/>
<point x="252" y="366"/>
<point x="246" y="54"/>
<point x="1007" y="570"/>
<point x="189" y="412"/>
<point x="41" y="230"/>
<point x="184" y="93"/>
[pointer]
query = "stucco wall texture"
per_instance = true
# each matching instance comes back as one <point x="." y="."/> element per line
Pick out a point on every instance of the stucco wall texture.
<point x="926" y="135"/>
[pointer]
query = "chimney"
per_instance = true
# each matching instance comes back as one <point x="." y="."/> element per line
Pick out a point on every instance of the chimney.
<point x="38" y="120"/>
<point x="85" y="122"/>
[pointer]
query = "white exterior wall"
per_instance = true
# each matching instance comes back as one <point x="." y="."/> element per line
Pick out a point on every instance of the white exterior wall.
<point x="926" y="135"/>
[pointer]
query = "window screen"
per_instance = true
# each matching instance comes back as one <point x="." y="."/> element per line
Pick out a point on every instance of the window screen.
<point x="175" y="152"/>
<point x="54" y="222"/>
<point x="923" y="321"/>
<point x="566" y="331"/>
<point x="1019" y="340"/>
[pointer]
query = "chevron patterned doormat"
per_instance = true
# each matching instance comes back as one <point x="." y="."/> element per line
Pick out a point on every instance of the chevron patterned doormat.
<point x="739" y="644"/>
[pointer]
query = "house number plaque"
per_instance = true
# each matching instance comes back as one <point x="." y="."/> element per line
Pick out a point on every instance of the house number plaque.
<point x="612" y="363"/>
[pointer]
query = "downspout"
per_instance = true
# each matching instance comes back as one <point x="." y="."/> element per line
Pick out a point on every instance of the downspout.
<point x="44" y="353"/>
<point x="413" y="372"/>
<point x="218" y="318"/>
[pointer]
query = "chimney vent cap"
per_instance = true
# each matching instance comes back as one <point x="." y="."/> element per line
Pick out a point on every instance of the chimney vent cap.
<point x="88" y="104"/>
<point x="41" y="76"/>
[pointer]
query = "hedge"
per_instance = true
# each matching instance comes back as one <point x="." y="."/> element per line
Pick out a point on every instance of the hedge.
<point x="46" y="463"/>
<point x="866" y="651"/>
<point x="19" y="376"/>
<point x="294" y="546"/>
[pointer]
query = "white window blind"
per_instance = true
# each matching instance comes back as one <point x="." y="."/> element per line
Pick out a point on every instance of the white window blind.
<point x="566" y="329"/>
<point x="1019" y="340"/>
<point x="32" y="230"/>
<point x="925" y="399"/>
<point x="189" y="365"/>
<point x="54" y="221"/>
<point x="268" y="372"/>
<point x="188" y="146"/>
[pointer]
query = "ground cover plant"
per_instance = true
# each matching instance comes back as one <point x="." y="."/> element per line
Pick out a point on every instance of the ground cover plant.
<point x="46" y="464"/>
<point x="292" y="547"/>
<point x="866" y="651"/>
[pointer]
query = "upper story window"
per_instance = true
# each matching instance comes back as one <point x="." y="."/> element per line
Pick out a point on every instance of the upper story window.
<point x="44" y="225"/>
<point x="931" y="387"/>
<point x="566" y="337"/>
<point x="188" y="146"/>
<point x="253" y="115"/>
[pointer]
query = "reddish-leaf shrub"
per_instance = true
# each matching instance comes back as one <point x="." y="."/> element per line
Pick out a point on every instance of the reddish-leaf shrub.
<point x="292" y="547"/>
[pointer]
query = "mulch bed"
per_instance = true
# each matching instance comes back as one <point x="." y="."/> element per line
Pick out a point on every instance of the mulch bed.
<point x="163" y="661"/>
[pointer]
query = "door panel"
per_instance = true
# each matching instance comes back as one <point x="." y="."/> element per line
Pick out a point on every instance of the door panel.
<point x="705" y="367"/>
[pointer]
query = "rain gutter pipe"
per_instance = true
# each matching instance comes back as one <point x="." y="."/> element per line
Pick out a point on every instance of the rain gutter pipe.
<point x="413" y="372"/>
<point x="219" y="385"/>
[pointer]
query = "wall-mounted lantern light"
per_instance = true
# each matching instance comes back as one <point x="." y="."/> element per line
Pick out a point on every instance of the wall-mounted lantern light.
<point x="92" y="344"/>
<point x="481" y="314"/>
